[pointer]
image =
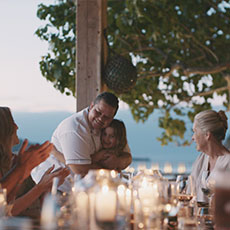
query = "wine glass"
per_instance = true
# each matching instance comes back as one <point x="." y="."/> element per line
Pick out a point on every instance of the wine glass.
<point x="168" y="193"/>
<point x="187" y="198"/>
<point x="186" y="188"/>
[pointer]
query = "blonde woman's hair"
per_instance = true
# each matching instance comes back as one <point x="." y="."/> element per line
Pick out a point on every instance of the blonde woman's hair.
<point x="213" y="122"/>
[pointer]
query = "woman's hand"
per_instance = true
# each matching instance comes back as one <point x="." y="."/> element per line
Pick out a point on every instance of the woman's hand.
<point x="47" y="179"/>
<point x="111" y="161"/>
<point x="33" y="156"/>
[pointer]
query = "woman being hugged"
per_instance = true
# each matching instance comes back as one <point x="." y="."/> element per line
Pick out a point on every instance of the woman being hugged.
<point x="114" y="142"/>
<point x="209" y="131"/>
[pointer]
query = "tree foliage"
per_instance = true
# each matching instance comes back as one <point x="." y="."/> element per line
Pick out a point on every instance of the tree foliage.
<point x="180" y="48"/>
<point x="58" y="65"/>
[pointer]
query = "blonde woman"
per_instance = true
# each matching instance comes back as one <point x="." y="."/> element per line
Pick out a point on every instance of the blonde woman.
<point x="209" y="131"/>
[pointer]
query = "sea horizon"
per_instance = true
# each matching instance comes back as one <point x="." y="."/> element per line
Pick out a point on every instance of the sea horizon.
<point x="142" y="137"/>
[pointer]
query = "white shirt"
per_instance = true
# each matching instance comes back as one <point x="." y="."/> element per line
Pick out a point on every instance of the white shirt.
<point x="74" y="138"/>
<point x="76" y="141"/>
<point x="201" y="165"/>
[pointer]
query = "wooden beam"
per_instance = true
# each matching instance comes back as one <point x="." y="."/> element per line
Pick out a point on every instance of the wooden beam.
<point x="89" y="51"/>
<point x="104" y="43"/>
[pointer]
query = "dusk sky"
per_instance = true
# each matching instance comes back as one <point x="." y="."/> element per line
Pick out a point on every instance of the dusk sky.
<point x="22" y="86"/>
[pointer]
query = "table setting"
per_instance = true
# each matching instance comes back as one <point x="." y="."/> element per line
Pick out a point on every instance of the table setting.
<point x="108" y="200"/>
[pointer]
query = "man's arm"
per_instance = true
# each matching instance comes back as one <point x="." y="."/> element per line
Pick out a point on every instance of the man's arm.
<point x="124" y="160"/>
<point x="120" y="162"/>
<point x="117" y="162"/>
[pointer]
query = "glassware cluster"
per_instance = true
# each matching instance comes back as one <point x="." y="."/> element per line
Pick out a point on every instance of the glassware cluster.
<point x="128" y="200"/>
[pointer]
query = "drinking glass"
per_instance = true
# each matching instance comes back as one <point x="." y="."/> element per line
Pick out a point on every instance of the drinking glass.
<point x="187" y="218"/>
<point x="186" y="188"/>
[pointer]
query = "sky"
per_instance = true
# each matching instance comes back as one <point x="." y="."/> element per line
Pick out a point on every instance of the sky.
<point x="22" y="87"/>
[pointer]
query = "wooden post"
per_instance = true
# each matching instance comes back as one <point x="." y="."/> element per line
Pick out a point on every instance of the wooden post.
<point x="104" y="43"/>
<point x="89" y="34"/>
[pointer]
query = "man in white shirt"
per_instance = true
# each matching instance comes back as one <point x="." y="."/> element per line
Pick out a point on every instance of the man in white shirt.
<point x="78" y="137"/>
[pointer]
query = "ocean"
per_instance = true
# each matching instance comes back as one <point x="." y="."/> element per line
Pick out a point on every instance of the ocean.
<point x="146" y="149"/>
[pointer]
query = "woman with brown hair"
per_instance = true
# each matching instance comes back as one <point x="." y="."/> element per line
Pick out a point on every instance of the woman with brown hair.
<point x="9" y="138"/>
<point x="114" y="142"/>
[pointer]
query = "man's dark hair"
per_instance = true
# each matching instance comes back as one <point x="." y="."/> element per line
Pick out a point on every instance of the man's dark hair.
<point x="108" y="98"/>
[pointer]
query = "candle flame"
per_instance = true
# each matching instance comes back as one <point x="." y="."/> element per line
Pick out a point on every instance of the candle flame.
<point x="113" y="174"/>
<point x="121" y="187"/>
<point x="101" y="172"/>
<point x="105" y="188"/>
<point x="128" y="192"/>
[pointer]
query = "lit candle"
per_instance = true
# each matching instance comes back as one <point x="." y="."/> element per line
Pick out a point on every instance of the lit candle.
<point x="128" y="199"/>
<point x="92" y="223"/>
<point x="48" y="212"/>
<point x="148" y="195"/>
<point x="105" y="205"/>
<point x="168" y="168"/>
<point x="121" y="196"/>
<point x="137" y="212"/>
<point x="113" y="174"/>
<point x="82" y="203"/>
